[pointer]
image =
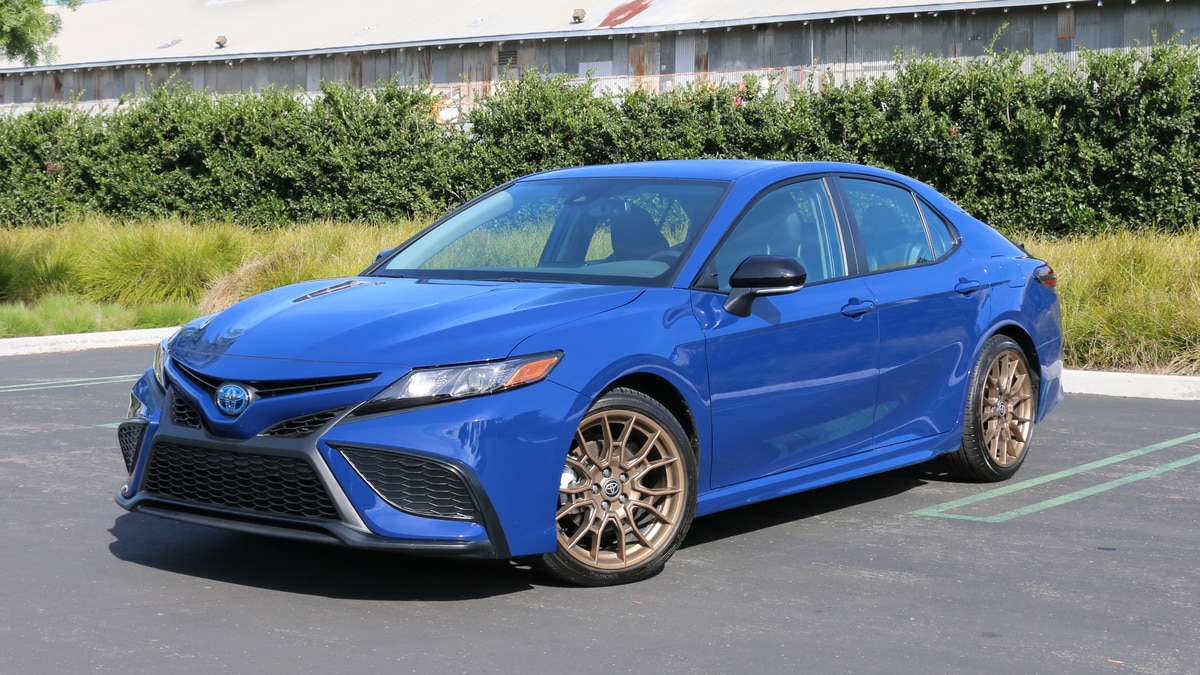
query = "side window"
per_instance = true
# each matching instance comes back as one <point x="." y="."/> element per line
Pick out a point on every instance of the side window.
<point x="939" y="231"/>
<point x="891" y="226"/>
<point x="795" y="221"/>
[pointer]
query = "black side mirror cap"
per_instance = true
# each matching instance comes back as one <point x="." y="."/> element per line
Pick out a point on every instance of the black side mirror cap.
<point x="763" y="275"/>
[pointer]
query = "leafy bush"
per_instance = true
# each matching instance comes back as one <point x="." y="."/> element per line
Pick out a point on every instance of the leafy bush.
<point x="1026" y="143"/>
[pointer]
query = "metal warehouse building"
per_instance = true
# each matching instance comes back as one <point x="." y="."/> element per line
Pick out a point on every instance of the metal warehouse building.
<point x="111" y="48"/>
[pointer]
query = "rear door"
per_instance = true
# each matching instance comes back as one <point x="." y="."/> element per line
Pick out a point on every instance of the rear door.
<point x="930" y="301"/>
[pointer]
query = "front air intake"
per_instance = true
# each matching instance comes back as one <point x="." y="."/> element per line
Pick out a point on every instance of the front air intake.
<point x="416" y="485"/>
<point x="284" y="486"/>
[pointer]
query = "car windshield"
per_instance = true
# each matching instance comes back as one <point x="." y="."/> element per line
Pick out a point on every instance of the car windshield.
<point x="575" y="230"/>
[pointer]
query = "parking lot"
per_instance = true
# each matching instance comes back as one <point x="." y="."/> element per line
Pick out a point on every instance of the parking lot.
<point x="1089" y="561"/>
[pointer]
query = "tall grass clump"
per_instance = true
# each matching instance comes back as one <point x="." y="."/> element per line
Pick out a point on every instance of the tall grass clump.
<point x="57" y="314"/>
<point x="164" y="261"/>
<point x="35" y="262"/>
<point x="163" y="314"/>
<point x="1131" y="302"/>
<point x="310" y="251"/>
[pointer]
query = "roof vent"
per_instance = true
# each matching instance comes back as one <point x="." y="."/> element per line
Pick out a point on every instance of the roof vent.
<point x="578" y="16"/>
<point x="221" y="41"/>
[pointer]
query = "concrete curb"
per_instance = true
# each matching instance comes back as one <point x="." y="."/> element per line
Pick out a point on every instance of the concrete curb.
<point x="82" y="341"/>
<point x="1130" y="385"/>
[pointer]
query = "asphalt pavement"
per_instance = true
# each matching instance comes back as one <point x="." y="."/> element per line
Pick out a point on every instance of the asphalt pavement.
<point x="1087" y="562"/>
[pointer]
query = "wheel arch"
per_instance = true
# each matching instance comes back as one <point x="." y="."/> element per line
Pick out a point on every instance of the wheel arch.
<point x="661" y="390"/>
<point x="1019" y="335"/>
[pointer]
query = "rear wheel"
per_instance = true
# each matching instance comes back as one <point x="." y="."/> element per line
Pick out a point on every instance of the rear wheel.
<point x="627" y="494"/>
<point x="998" y="421"/>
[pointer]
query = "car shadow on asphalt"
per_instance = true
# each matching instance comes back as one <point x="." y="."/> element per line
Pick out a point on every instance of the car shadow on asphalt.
<point x="811" y="503"/>
<point x="353" y="574"/>
<point x="307" y="568"/>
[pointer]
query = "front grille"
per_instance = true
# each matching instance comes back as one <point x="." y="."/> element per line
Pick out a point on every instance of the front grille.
<point x="298" y="427"/>
<point x="183" y="413"/>
<point x="129" y="436"/>
<point x="418" y="486"/>
<point x="263" y="483"/>
<point x="268" y="388"/>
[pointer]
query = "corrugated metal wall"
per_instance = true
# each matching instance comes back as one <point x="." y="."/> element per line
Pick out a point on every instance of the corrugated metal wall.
<point x="845" y="47"/>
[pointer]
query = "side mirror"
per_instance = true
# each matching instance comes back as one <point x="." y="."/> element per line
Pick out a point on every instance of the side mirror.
<point x="383" y="254"/>
<point x="763" y="275"/>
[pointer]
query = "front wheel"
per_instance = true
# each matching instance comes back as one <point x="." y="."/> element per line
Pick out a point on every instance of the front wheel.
<point x="998" y="421"/>
<point x="627" y="494"/>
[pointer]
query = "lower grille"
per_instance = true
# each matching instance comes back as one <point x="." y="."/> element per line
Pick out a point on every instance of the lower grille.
<point x="262" y="483"/>
<point x="416" y="485"/>
<point x="182" y="413"/>
<point x="129" y="436"/>
<point x="298" y="427"/>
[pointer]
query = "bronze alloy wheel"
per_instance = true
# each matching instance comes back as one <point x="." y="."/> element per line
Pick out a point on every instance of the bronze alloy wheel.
<point x="627" y="493"/>
<point x="998" y="422"/>
<point x="1006" y="408"/>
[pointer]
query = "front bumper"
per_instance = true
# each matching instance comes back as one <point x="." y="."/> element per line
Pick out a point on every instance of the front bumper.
<point x="475" y="478"/>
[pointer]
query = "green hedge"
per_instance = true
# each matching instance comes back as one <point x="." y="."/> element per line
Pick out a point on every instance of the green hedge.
<point x="1111" y="144"/>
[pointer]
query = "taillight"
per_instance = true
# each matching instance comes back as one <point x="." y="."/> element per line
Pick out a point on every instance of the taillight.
<point x="1045" y="276"/>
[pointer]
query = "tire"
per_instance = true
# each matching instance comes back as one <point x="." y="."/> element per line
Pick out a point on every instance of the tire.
<point x="998" y="421"/>
<point x="627" y="495"/>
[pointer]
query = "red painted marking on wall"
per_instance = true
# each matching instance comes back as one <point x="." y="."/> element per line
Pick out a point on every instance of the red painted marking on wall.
<point x="625" y="12"/>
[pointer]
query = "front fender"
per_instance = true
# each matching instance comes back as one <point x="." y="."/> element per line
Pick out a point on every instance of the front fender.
<point x="605" y="348"/>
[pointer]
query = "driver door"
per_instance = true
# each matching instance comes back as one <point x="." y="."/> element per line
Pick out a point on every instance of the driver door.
<point x="795" y="382"/>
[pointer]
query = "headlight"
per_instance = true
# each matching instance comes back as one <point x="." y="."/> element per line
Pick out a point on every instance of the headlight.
<point x="137" y="409"/>
<point x="435" y="385"/>
<point x="160" y="362"/>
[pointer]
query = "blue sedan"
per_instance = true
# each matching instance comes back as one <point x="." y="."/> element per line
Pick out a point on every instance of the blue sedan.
<point x="573" y="366"/>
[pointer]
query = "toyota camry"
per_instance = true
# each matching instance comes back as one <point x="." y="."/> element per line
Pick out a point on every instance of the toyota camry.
<point x="573" y="366"/>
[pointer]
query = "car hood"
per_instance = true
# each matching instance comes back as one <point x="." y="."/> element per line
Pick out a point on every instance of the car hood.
<point x="408" y="322"/>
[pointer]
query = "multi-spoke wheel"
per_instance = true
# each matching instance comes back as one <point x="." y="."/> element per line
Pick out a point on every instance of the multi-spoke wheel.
<point x="998" y="422"/>
<point x="627" y="493"/>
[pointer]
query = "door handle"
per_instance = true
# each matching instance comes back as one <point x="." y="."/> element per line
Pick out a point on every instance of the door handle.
<point x="856" y="308"/>
<point x="967" y="287"/>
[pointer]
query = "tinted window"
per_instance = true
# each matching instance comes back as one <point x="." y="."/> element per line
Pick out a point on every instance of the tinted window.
<point x="939" y="231"/>
<point x="795" y="221"/>
<point x="892" y="229"/>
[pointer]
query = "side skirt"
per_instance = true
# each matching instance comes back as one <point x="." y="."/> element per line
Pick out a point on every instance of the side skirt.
<point x="838" y="470"/>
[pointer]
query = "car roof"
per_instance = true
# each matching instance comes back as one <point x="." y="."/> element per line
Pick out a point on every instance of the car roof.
<point x="710" y="169"/>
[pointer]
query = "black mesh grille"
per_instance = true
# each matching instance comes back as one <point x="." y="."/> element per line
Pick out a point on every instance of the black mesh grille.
<point x="298" y="427"/>
<point x="279" y="485"/>
<point x="129" y="435"/>
<point x="182" y="413"/>
<point x="419" y="486"/>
